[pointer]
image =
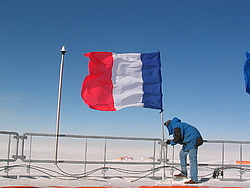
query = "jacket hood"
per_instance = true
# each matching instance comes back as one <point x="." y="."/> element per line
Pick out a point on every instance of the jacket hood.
<point x="171" y="125"/>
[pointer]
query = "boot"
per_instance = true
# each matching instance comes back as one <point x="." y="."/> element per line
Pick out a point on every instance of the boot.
<point x="180" y="176"/>
<point x="191" y="182"/>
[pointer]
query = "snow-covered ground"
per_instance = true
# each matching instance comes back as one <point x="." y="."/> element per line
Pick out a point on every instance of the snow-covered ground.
<point x="120" y="174"/>
<point x="115" y="182"/>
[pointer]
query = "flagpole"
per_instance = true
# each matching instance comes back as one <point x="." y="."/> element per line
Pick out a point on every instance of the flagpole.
<point x="162" y="126"/>
<point x="164" y="156"/>
<point x="63" y="51"/>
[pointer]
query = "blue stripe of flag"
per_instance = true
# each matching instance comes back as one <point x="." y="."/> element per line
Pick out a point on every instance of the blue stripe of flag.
<point x="151" y="76"/>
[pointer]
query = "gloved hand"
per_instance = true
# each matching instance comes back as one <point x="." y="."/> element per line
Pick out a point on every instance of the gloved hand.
<point x="168" y="141"/>
<point x="167" y="122"/>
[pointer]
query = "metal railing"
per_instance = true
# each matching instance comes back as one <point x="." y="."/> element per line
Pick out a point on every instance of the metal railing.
<point x="99" y="151"/>
<point x="85" y="148"/>
<point x="7" y="145"/>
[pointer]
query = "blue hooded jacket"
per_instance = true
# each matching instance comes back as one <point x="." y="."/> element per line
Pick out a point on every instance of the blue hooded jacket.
<point x="184" y="134"/>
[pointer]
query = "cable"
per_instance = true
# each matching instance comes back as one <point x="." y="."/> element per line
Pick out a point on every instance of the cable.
<point x="67" y="176"/>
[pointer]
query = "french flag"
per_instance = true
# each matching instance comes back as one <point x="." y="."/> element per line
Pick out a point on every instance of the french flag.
<point x="117" y="81"/>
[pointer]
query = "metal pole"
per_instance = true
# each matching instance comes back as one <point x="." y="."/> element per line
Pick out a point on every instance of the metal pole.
<point x="223" y="159"/>
<point x="154" y="157"/>
<point x="241" y="161"/>
<point x="105" y="155"/>
<point x="8" y="161"/>
<point x="63" y="51"/>
<point x="85" y="156"/>
<point x="28" y="169"/>
<point x="163" y="146"/>
<point x="162" y="126"/>
<point x="172" y="171"/>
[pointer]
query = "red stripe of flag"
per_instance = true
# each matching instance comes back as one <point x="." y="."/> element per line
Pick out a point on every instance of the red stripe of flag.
<point x="97" y="87"/>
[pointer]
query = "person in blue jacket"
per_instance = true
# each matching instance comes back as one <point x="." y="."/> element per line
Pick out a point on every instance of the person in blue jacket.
<point x="190" y="139"/>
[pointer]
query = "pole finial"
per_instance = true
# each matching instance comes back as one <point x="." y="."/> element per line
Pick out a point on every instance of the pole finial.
<point x="63" y="50"/>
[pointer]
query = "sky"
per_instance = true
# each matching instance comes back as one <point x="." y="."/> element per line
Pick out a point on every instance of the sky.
<point x="202" y="45"/>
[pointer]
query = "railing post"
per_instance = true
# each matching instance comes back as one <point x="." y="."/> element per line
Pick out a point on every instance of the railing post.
<point x="165" y="158"/>
<point x="172" y="169"/>
<point x="241" y="160"/>
<point x="30" y="155"/>
<point x="223" y="158"/>
<point x="85" y="156"/>
<point x="22" y="156"/>
<point x="8" y="155"/>
<point x="154" y="158"/>
<point x="104" y="158"/>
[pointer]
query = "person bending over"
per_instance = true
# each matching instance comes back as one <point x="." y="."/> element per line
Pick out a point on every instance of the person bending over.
<point x="190" y="139"/>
